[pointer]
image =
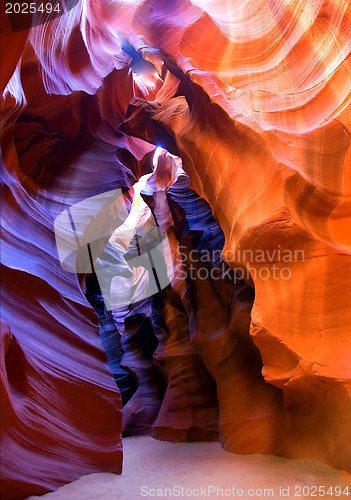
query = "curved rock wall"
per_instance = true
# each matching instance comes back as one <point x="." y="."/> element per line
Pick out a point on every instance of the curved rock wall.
<point x="62" y="413"/>
<point x="255" y="100"/>
<point x="273" y="165"/>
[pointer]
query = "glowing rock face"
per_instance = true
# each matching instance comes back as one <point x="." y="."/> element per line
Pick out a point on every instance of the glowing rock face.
<point x="254" y="97"/>
<point x="275" y="170"/>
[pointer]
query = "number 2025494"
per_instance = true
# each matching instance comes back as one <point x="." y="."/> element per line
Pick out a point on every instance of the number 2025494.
<point x="23" y="15"/>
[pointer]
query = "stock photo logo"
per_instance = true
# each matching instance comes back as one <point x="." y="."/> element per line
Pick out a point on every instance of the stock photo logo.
<point x="25" y="15"/>
<point x="131" y="262"/>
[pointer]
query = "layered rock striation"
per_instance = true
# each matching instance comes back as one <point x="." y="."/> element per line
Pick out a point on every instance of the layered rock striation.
<point x="253" y="102"/>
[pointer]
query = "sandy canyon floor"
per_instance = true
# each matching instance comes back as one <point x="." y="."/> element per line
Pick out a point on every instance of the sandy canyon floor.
<point x="156" y="469"/>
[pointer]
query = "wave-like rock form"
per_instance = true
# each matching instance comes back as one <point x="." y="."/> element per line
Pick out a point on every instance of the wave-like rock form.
<point x="202" y="324"/>
<point x="139" y="344"/>
<point x="111" y="339"/>
<point x="296" y="356"/>
<point x="275" y="173"/>
<point x="189" y="410"/>
<point x="254" y="97"/>
<point x="62" y="416"/>
<point x="218" y="304"/>
<point x="176" y="397"/>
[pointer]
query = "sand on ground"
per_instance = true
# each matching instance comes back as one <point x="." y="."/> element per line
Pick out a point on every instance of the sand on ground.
<point x="158" y="469"/>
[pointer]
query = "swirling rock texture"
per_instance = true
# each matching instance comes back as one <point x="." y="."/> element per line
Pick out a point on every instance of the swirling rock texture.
<point x="62" y="413"/>
<point x="270" y="160"/>
<point x="254" y="98"/>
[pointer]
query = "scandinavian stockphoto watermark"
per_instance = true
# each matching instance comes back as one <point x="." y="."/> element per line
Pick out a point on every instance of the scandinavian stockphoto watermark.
<point x="83" y="233"/>
<point x="263" y="264"/>
<point x="138" y="262"/>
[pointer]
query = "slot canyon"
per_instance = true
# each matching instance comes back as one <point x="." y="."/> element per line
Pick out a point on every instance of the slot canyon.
<point x="175" y="240"/>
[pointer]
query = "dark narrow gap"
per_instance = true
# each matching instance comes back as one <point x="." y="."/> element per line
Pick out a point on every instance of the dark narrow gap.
<point x="111" y="340"/>
<point x="138" y="333"/>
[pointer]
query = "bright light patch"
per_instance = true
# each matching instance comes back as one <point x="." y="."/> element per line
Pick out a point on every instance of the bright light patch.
<point x="158" y="151"/>
<point x="147" y="81"/>
<point x="139" y="212"/>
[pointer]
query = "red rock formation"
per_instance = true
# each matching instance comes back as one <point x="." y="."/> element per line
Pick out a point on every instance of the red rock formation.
<point x="62" y="412"/>
<point x="255" y="100"/>
<point x="278" y="196"/>
<point x="62" y="416"/>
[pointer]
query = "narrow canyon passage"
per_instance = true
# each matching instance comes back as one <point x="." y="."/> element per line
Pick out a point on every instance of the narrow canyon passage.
<point x="175" y="246"/>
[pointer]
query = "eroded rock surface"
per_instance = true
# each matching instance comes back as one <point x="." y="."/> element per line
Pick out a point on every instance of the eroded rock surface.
<point x="254" y="101"/>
